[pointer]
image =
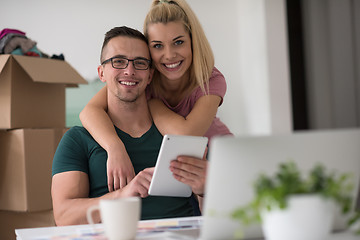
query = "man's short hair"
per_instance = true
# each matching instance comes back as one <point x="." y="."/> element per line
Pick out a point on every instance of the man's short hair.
<point x="122" y="31"/>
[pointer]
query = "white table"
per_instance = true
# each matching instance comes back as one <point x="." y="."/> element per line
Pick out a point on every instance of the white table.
<point x="165" y="229"/>
<point x="173" y="228"/>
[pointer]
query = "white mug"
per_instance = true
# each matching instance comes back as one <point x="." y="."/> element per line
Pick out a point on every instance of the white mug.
<point x="120" y="217"/>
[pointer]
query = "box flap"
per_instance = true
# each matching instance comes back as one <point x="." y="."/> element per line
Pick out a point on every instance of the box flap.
<point x="3" y="61"/>
<point x="49" y="70"/>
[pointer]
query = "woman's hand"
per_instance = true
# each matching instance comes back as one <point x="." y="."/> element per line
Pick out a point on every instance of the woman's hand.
<point x="120" y="170"/>
<point x="191" y="171"/>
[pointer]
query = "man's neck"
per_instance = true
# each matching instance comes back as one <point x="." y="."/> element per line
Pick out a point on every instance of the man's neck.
<point x="134" y="118"/>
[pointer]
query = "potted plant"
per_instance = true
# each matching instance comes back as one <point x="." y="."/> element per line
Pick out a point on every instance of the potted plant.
<point x="292" y="206"/>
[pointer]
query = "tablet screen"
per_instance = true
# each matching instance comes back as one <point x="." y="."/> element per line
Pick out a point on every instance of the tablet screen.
<point x="163" y="183"/>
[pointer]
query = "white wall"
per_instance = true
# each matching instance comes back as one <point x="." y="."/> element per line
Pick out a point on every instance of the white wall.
<point x="75" y="28"/>
<point x="248" y="38"/>
<point x="263" y="72"/>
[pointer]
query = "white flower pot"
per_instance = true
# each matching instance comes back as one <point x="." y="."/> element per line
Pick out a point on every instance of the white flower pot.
<point x="306" y="217"/>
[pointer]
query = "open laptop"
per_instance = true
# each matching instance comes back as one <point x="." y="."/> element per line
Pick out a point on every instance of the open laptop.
<point x="235" y="162"/>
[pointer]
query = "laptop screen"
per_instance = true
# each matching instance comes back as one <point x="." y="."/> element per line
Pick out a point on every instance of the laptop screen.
<point x="236" y="162"/>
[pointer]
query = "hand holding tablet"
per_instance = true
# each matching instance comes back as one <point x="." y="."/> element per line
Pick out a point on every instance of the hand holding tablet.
<point x="163" y="183"/>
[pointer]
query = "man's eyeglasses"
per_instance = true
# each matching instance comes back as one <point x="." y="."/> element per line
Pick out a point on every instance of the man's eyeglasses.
<point x="122" y="63"/>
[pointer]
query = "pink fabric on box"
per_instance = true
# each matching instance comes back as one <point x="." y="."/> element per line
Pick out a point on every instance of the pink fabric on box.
<point x="9" y="30"/>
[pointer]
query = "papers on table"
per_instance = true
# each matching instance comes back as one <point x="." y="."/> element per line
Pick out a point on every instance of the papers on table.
<point x="172" y="228"/>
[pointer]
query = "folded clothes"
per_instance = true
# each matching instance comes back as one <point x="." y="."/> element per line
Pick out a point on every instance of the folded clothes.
<point x="32" y="52"/>
<point x="7" y="38"/>
<point x="13" y="41"/>
<point x="58" y="57"/>
<point x="6" y="31"/>
<point x="24" y="43"/>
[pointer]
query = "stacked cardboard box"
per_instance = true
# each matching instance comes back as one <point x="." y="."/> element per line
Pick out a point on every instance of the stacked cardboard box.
<point x="32" y="122"/>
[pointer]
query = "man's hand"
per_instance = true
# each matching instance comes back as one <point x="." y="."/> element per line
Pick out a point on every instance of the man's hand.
<point x="191" y="171"/>
<point x="120" y="170"/>
<point x="139" y="186"/>
<point x="70" y="191"/>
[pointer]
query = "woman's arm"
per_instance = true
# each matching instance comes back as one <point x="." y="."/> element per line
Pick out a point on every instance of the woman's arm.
<point x="96" y="120"/>
<point x="197" y="122"/>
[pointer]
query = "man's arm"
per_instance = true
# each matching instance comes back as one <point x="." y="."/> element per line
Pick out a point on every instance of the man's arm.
<point x="70" y="191"/>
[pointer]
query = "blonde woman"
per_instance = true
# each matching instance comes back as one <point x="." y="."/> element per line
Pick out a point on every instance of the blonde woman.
<point x="183" y="96"/>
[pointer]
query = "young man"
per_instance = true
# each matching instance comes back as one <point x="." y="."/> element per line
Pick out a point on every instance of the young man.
<point x="79" y="166"/>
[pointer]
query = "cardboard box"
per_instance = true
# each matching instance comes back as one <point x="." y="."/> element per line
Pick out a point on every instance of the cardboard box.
<point x="32" y="91"/>
<point x="9" y="221"/>
<point x="25" y="168"/>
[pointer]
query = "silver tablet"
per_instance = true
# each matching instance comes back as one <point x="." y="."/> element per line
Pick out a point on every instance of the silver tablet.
<point x="163" y="183"/>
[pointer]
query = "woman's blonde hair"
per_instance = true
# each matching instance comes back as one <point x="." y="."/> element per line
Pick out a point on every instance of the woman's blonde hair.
<point x="164" y="11"/>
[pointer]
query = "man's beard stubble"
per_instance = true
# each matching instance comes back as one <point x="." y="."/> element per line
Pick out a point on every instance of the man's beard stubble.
<point x="128" y="99"/>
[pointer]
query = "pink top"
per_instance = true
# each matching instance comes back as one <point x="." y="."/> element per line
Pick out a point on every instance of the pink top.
<point x="217" y="86"/>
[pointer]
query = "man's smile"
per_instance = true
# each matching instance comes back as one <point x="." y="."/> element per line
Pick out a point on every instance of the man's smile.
<point x="128" y="83"/>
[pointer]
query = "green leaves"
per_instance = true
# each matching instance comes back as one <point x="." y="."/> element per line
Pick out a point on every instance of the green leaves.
<point x="272" y="191"/>
<point x="332" y="186"/>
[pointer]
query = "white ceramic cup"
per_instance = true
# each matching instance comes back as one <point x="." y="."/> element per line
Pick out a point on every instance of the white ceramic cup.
<point x="120" y="217"/>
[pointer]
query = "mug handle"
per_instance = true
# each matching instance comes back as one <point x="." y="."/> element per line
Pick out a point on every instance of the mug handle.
<point x="89" y="213"/>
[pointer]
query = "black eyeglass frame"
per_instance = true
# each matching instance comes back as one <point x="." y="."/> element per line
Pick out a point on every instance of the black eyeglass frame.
<point x="128" y="60"/>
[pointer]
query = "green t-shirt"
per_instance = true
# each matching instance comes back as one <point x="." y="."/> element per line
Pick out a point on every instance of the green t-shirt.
<point x="78" y="151"/>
